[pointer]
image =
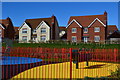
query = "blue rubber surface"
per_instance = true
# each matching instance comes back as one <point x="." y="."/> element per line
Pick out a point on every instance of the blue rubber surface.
<point x="8" y="60"/>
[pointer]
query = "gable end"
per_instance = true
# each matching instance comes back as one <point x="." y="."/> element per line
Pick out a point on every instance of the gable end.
<point x="99" y="21"/>
<point x="72" y="22"/>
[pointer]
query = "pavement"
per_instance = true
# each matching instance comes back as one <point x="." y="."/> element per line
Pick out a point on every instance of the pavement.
<point x="62" y="70"/>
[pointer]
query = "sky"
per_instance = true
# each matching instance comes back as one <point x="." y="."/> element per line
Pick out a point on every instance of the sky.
<point x="19" y="11"/>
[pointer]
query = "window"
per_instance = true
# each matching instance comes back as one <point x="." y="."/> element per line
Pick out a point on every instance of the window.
<point x="74" y="38"/>
<point x="34" y="30"/>
<point x="34" y="38"/>
<point x="24" y="30"/>
<point x="74" y="30"/>
<point x="24" y="38"/>
<point x="97" y="38"/>
<point x="85" y="30"/>
<point x="43" y="38"/>
<point x="96" y="29"/>
<point x="43" y="30"/>
<point x="85" y="39"/>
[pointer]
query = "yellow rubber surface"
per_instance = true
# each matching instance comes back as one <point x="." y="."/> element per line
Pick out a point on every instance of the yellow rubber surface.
<point x="62" y="70"/>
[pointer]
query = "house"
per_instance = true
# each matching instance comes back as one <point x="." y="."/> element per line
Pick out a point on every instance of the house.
<point x="7" y="29"/>
<point x="111" y="29"/>
<point x="16" y="36"/>
<point x="39" y="30"/>
<point x="114" y="37"/>
<point x="92" y="28"/>
<point x="63" y="33"/>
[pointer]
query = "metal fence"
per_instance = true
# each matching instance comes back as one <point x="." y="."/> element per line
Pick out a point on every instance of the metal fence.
<point x="53" y="56"/>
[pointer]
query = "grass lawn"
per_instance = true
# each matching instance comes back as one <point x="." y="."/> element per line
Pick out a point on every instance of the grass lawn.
<point x="64" y="45"/>
<point x="62" y="70"/>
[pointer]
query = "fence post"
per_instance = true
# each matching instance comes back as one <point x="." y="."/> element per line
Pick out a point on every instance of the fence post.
<point x="70" y="63"/>
<point x="115" y="55"/>
<point x="63" y="50"/>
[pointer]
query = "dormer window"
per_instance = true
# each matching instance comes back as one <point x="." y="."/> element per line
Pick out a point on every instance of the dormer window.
<point x="97" y="29"/>
<point x="85" y="30"/>
<point x="74" y="30"/>
<point x="24" y="30"/>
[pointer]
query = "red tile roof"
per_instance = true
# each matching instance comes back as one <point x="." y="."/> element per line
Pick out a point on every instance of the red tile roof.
<point x="16" y="30"/>
<point x="4" y="22"/>
<point x="112" y="27"/>
<point x="33" y="23"/>
<point x="116" y="34"/>
<point x="62" y="28"/>
<point x="87" y="20"/>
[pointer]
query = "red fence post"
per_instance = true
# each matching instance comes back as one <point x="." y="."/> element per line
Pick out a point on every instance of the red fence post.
<point x="70" y="63"/>
<point x="115" y="55"/>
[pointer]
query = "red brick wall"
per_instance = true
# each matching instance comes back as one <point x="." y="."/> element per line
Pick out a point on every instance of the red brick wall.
<point x="101" y="33"/>
<point x="78" y="34"/>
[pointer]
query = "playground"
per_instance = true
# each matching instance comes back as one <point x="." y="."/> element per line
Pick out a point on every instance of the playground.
<point x="62" y="70"/>
<point x="59" y="63"/>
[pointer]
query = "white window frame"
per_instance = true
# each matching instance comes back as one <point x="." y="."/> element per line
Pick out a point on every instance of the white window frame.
<point x="74" y="38"/>
<point x="96" y="29"/>
<point x="24" y="37"/>
<point x="42" y="39"/>
<point x="86" y="30"/>
<point x="24" y="30"/>
<point x="42" y="29"/>
<point x="96" y="37"/>
<point x="74" y="30"/>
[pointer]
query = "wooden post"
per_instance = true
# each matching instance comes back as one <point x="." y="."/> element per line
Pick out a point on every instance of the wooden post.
<point x="70" y="63"/>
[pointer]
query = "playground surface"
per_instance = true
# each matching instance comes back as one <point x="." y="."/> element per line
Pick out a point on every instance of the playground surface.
<point x="62" y="70"/>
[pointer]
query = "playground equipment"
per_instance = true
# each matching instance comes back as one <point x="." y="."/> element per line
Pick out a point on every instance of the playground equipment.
<point x="80" y="57"/>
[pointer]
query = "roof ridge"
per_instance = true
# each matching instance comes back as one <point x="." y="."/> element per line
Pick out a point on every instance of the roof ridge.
<point x="38" y="18"/>
<point x="88" y="15"/>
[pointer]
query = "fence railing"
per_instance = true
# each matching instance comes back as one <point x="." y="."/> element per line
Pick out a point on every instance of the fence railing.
<point x="97" y="54"/>
<point x="52" y="56"/>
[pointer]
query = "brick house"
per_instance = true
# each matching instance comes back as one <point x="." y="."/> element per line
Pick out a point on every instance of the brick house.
<point x="39" y="30"/>
<point x="7" y="29"/>
<point x="92" y="28"/>
<point x="111" y="29"/>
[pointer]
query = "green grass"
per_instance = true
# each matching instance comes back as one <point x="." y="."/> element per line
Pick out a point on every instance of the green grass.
<point x="64" y="45"/>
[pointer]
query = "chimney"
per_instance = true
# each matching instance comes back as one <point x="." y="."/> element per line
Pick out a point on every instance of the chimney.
<point x="105" y="19"/>
<point x="53" y="19"/>
<point x="105" y="13"/>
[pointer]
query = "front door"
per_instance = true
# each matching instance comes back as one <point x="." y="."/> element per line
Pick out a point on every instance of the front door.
<point x="85" y="39"/>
